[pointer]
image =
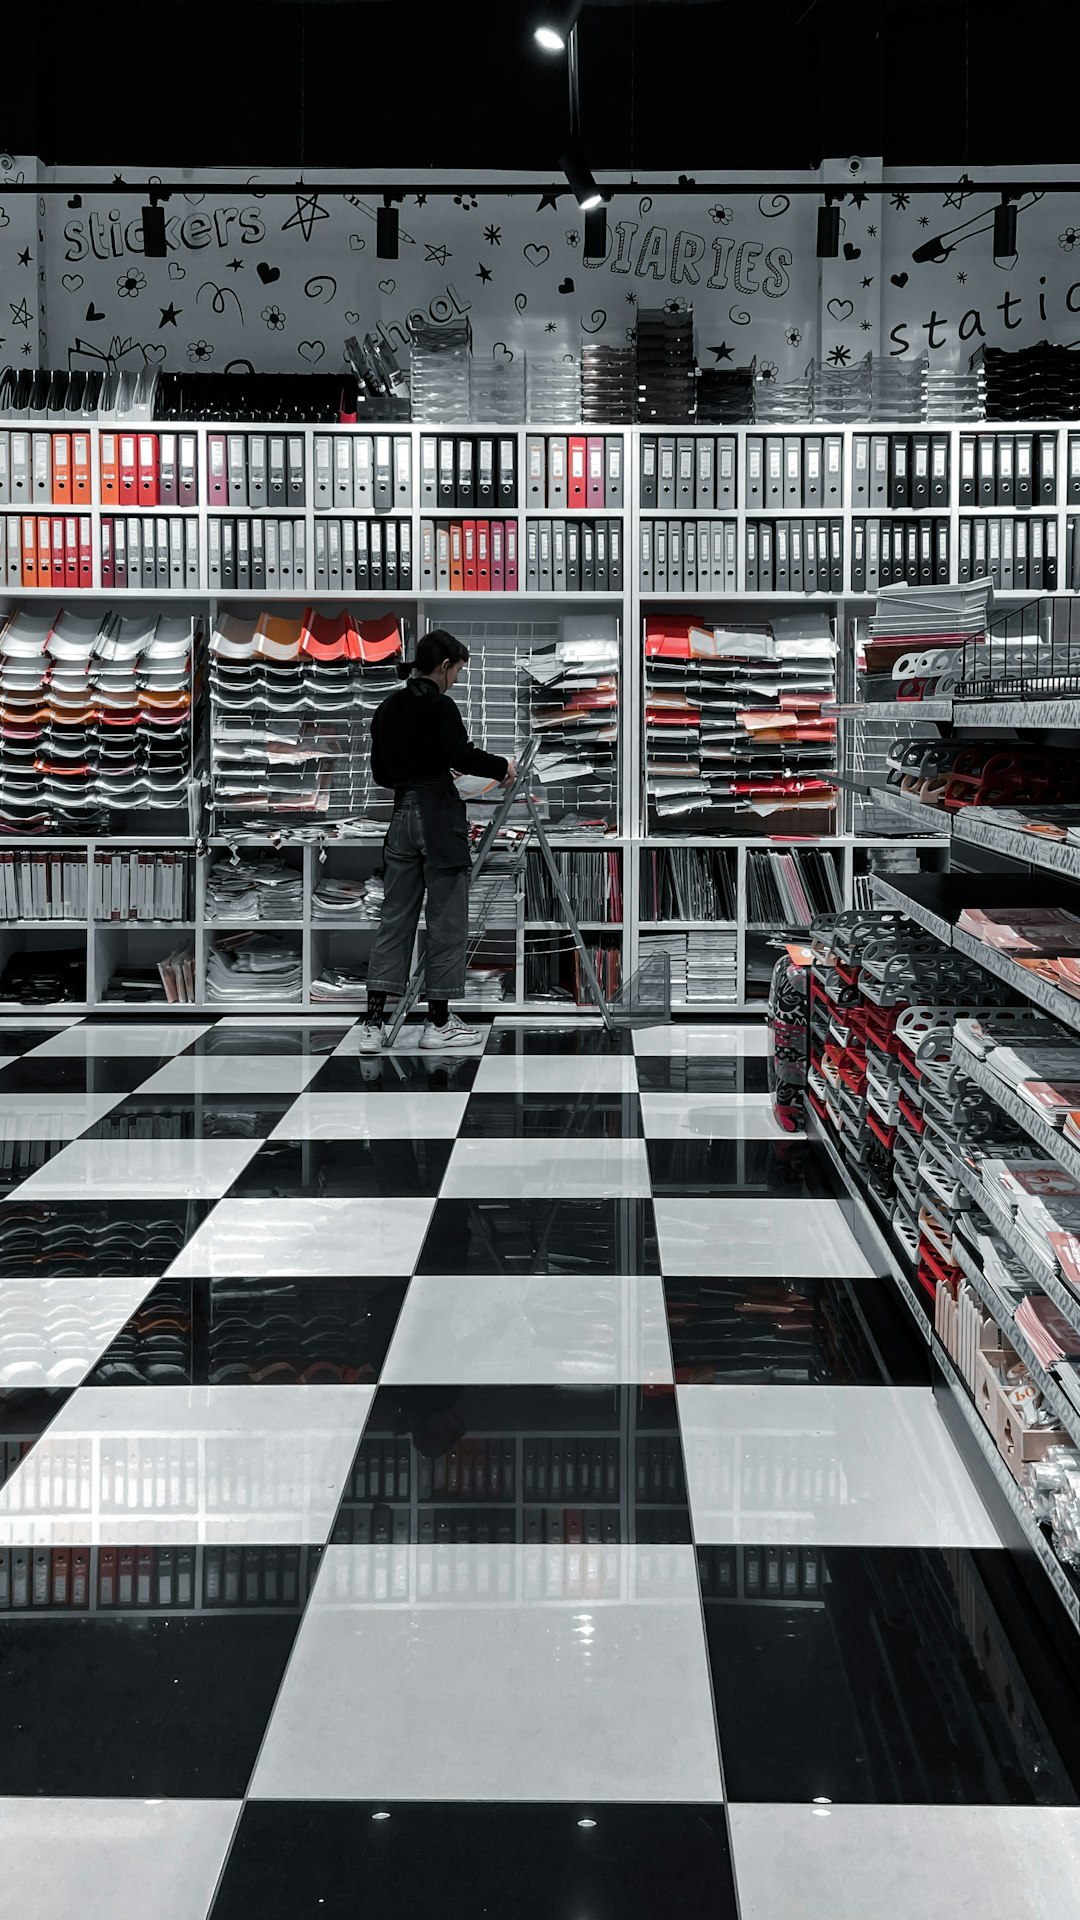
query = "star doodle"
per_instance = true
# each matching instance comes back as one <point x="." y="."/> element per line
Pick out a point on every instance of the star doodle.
<point x="900" y="200"/>
<point x="924" y="219"/>
<point x="858" y="195"/>
<point x="482" y="273"/>
<point x="868" y="280"/>
<point x="24" y="258"/>
<point x="550" y="328"/>
<point x="21" y="315"/>
<point x="168" y="316"/>
<point x="436" y="256"/>
<point x="305" y="214"/>
<point x="632" y="299"/>
<point x="960" y="192"/>
<point x="548" y="199"/>
<point x="839" y="356"/>
<point x="493" y="236"/>
<point x="421" y="199"/>
<point x="236" y="265"/>
<point x="872" y="232"/>
<point x="962" y="277"/>
<point x="26" y="348"/>
<point x="722" y="352"/>
<point x="865" y="325"/>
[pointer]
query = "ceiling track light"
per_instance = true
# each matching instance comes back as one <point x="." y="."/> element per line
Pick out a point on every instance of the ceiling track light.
<point x="554" y="32"/>
<point x="579" y="177"/>
<point x="386" y="229"/>
<point x="1005" y="229"/>
<point x="828" y="230"/>
<point x="153" y="224"/>
<point x="595" y="247"/>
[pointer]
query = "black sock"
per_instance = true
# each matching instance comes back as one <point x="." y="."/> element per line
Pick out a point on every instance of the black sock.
<point x="376" y="1006"/>
<point x="438" y="1012"/>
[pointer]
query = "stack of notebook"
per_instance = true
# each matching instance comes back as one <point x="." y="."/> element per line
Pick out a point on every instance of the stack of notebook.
<point x="253" y="966"/>
<point x="608" y="384"/>
<point x="575" y="711"/>
<point x="666" y="370"/>
<point x="254" y="887"/>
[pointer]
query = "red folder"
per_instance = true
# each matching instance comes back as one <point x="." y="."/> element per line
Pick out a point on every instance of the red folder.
<point x="86" y="551"/>
<point x="61" y="468"/>
<point x="468" y="530"/>
<point x="80" y="469"/>
<point x="71" y="550"/>
<point x="511" y="561"/>
<point x="128" y="468"/>
<point x="498" y="580"/>
<point x="456" y="572"/>
<point x="576" y="479"/>
<point x="149" y="470"/>
<point x="483" y="556"/>
<point x="110" y="471"/>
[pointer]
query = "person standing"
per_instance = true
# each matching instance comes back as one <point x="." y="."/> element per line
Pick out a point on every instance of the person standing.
<point x="418" y="743"/>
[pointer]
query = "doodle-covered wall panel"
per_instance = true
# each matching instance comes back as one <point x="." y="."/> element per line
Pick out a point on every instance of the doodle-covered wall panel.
<point x="280" y="282"/>
<point x="22" y="265"/>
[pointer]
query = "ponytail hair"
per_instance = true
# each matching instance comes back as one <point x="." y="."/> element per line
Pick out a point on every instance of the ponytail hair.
<point x="431" y="650"/>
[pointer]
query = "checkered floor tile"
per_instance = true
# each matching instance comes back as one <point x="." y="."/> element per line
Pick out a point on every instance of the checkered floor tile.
<point x="412" y="1469"/>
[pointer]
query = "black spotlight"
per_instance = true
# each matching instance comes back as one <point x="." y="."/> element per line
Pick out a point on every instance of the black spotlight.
<point x="1005" y="229"/>
<point x="582" y="185"/>
<point x="596" y="233"/>
<point x="386" y="232"/>
<point x="153" y="233"/>
<point x="828" y="231"/>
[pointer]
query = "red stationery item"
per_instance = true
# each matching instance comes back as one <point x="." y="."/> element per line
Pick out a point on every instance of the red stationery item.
<point x="329" y="636"/>
<point x="149" y="470"/>
<point x="106" y="1576"/>
<point x="511" y="562"/>
<point x="217" y="488"/>
<point x="456" y="571"/>
<point x="110" y="470"/>
<point x="86" y="551"/>
<point x="44" y="552"/>
<point x="128" y="470"/>
<point x="483" y="556"/>
<point x="61" y="468"/>
<point x="29" y="551"/>
<point x="576" y="479"/>
<point x="80" y="469"/>
<point x="497" y="575"/>
<point x="379" y="639"/>
<point x="71" y="550"/>
<point x="80" y="1576"/>
<point x="594" y="449"/>
<point x="468" y="548"/>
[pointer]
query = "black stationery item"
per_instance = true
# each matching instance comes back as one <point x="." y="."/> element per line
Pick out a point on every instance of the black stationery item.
<point x="485" y="473"/>
<point x="920" y="470"/>
<point x="939" y="470"/>
<point x="1024" y="469"/>
<point x="968" y="477"/>
<point x="464" y="480"/>
<point x="1004" y="474"/>
<point x="813" y="478"/>
<point x="507" y="471"/>
<point x="987" y="475"/>
<point x="899" y="473"/>
<point x="447" y="480"/>
<point x="1047" y="457"/>
<point x="793" y="471"/>
<point x="294" y="466"/>
<point x="649" y="470"/>
<point x="858" y="556"/>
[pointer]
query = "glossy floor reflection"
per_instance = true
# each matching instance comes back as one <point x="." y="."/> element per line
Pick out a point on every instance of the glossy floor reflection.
<point x="415" y="1468"/>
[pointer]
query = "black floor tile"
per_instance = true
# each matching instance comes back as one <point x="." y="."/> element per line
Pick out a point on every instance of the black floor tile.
<point x="395" y="1073"/>
<point x="701" y="1073"/>
<point x="884" y="1675"/>
<point x="582" y="1041"/>
<point x="464" y="1859"/>
<point x="226" y="1332"/>
<point x="526" y="1464"/>
<point x="261" y="1037"/>
<point x="192" y="1116"/>
<point x="541" y="1236"/>
<point x="840" y="1332"/>
<point x="64" y="1073"/>
<point x="20" y="1040"/>
<point x="374" y="1169"/>
<point x="158" y="1706"/>
<point x="25" y="1414"/>
<point x="551" y="1116"/>
<point x="774" y="1169"/>
<point x="96" y="1237"/>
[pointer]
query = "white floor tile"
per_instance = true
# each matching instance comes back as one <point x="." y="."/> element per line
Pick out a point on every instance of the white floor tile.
<point x="748" y="1043"/>
<point x="835" y="1466"/>
<point x="64" y="1857"/>
<point x="52" y="1331"/>
<point x="46" y="1021"/>
<point x="53" y="1116"/>
<point x="136" y="1038"/>
<point x="463" y="1686"/>
<point x="235" y="1073"/>
<point x="547" y="1169"/>
<point x="889" y="1862"/>
<point x="712" y="1116"/>
<point x="373" y="1116"/>
<point x="139" y="1169"/>
<point x="741" y="1238"/>
<point x="556" y="1073"/>
<point x="325" y="1238"/>
<point x="7" y="1060"/>
<point x="168" y="1465"/>
<point x="530" y="1330"/>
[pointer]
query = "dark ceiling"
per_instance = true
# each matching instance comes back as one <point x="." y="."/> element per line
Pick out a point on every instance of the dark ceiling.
<point x="665" y="86"/>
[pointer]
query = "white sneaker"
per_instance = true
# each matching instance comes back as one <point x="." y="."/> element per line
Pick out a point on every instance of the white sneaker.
<point x="454" y="1034"/>
<point x="372" y="1037"/>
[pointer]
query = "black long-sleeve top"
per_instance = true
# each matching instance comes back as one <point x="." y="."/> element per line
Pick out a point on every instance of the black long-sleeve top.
<point x="418" y="735"/>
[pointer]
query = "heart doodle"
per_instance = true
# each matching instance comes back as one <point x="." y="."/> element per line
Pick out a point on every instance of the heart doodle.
<point x="596" y="320"/>
<point x="73" y="281"/>
<point x="267" y="274"/>
<point x="898" y="279"/>
<point x="850" y="252"/>
<point x="352" y="319"/>
<point x="194" y="199"/>
<point x="535" y="255"/>
<point x="154" y="352"/>
<point x="387" y="286"/>
<point x="357" y="242"/>
<point x="75" y="201"/>
<point x="176" y="271"/>
<point x="521" y="301"/>
<point x="93" y="314"/>
<point x="566" y="286"/>
<point x="311" y="350"/>
<point x="840" y="309"/>
<point x="500" y="351"/>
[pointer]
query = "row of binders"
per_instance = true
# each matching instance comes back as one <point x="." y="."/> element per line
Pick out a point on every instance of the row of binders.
<point x="372" y="471"/>
<point x="578" y="472"/>
<point x="47" y="550"/>
<point x="463" y="470"/>
<point x="1013" y="551"/>
<point x="469" y="556"/>
<point x="148" y="470"/>
<point x="1009" y="470"/>
<point x="108" y="1578"/>
<point x="561" y="556"/>
<point x="687" y="556"/>
<point x="790" y="470"/>
<point x="257" y="552"/>
<point x="52" y="469"/>
<point x="794" y="556"/>
<point x="901" y="469"/>
<point x="261" y="469"/>
<point x="884" y="552"/>
<point x="354" y="556"/>
<point x="127" y="885"/>
<point x="688" y="470"/>
<point x="154" y="550"/>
